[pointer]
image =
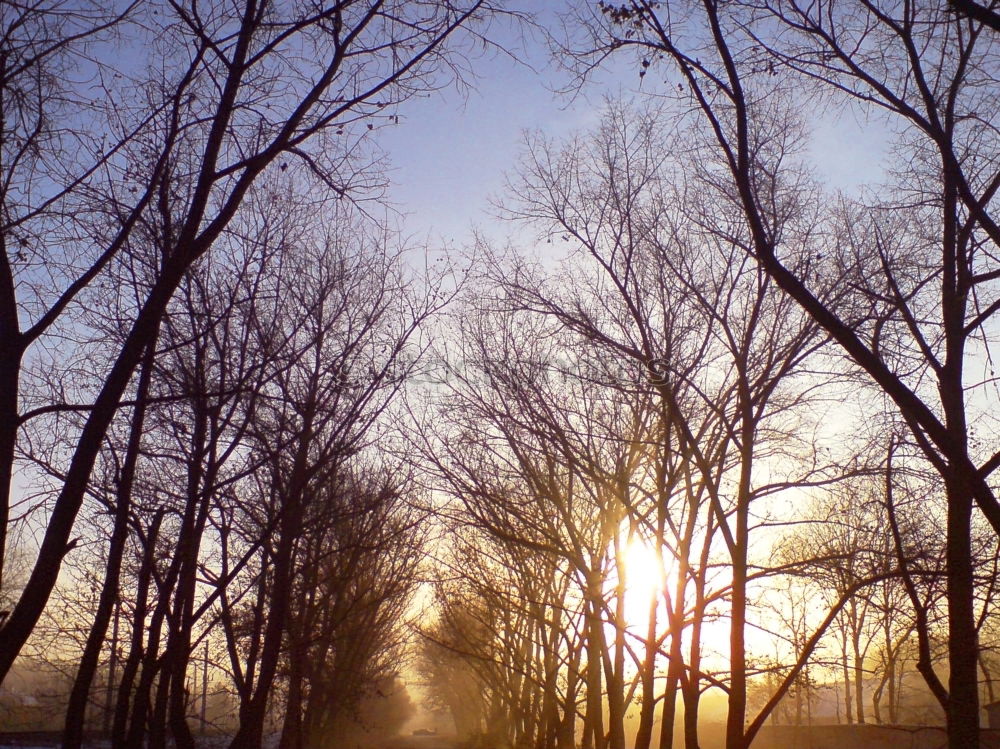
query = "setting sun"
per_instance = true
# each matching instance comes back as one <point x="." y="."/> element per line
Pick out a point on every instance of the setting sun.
<point x="644" y="577"/>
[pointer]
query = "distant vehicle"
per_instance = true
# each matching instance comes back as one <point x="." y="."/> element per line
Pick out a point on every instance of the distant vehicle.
<point x="425" y="732"/>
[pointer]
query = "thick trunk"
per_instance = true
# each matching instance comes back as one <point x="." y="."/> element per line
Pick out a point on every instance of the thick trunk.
<point x="257" y="627"/>
<point x="18" y="626"/>
<point x="157" y="732"/>
<point x="963" y="705"/>
<point x="567" y="726"/>
<point x="549" y="633"/>
<point x="668" y="711"/>
<point x="291" y="729"/>
<point x="11" y="354"/>
<point x="736" y="715"/>
<point x="963" y="650"/>
<point x="10" y="367"/>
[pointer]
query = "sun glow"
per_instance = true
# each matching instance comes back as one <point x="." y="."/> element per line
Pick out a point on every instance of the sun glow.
<point x="644" y="575"/>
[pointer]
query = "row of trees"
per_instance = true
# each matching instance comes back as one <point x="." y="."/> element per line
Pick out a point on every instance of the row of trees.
<point x="915" y="265"/>
<point x="688" y="385"/>
<point x="202" y="328"/>
<point x="784" y="394"/>
<point x="239" y="507"/>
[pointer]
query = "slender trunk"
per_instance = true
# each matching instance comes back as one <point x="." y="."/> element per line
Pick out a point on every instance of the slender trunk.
<point x="798" y="702"/>
<point x="594" y="715"/>
<point x="109" y="691"/>
<point x="675" y="669"/>
<point x="644" y="732"/>
<point x="891" y="685"/>
<point x="809" y="696"/>
<point x="859" y="673"/>
<point x="257" y="627"/>
<point x="204" y="691"/>
<point x="845" y="668"/>
<point x="691" y="689"/>
<point x="299" y="658"/>
<point x="135" y="654"/>
<point x="737" y="708"/>
<point x="877" y="700"/>
<point x="616" y="675"/>
<point x="178" y="652"/>
<point x="889" y="677"/>
<point x="152" y="667"/>
<point x="987" y="679"/>
<point x="76" y="707"/>
<point x="251" y="730"/>
<point x="736" y="715"/>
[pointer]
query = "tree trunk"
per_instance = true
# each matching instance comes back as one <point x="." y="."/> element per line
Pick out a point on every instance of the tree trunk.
<point x="132" y="662"/>
<point x="848" y="710"/>
<point x="157" y="731"/>
<point x="19" y="625"/>
<point x="251" y="731"/>
<point x="76" y="707"/>
<point x="178" y="651"/>
<point x="859" y="673"/>
<point x="291" y="729"/>
<point x="736" y="715"/>
<point x="616" y="675"/>
<point x="963" y="687"/>
<point x="594" y="714"/>
<point x="10" y="368"/>
<point x="644" y="732"/>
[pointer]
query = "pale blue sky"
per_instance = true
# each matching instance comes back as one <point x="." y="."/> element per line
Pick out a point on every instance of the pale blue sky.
<point x="450" y="152"/>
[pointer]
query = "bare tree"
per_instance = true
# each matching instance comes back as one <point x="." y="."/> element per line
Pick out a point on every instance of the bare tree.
<point x="357" y="567"/>
<point x="237" y="92"/>
<point x="932" y="72"/>
<point x="676" y="293"/>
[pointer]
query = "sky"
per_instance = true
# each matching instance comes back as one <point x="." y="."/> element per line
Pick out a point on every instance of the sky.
<point x="451" y="150"/>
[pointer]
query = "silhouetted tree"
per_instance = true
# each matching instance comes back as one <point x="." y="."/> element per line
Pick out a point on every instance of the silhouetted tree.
<point x="233" y="93"/>
<point x="920" y="273"/>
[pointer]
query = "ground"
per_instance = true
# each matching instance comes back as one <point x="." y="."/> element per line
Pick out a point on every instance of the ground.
<point x="49" y="740"/>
